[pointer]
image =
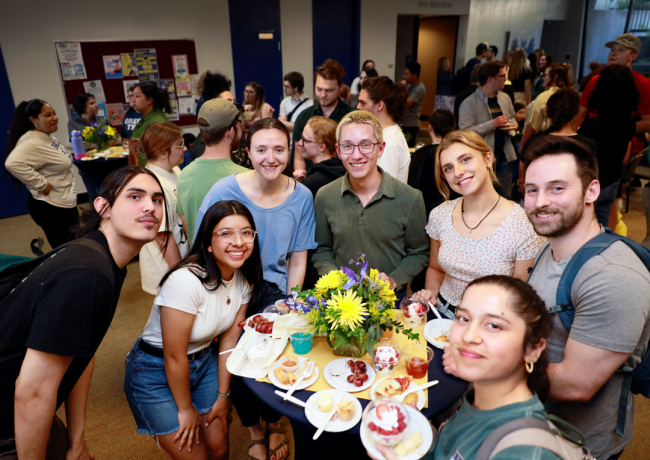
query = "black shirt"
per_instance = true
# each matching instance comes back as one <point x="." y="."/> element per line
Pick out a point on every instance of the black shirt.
<point x="499" y="134"/>
<point x="460" y="97"/>
<point x="63" y="307"/>
<point x="519" y="84"/>
<point x="421" y="176"/>
<point x="322" y="174"/>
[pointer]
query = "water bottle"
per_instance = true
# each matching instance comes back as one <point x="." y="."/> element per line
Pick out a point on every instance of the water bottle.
<point x="78" y="145"/>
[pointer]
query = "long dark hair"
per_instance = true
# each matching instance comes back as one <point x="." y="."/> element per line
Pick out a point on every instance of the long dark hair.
<point x="270" y="123"/>
<point x="209" y="272"/>
<point x="159" y="95"/>
<point x="111" y="188"/>
<point x="562" y="107"/>
<point x="525" y="302"/>
<point x="20" y="122"/>
<point x="615" y="94"/>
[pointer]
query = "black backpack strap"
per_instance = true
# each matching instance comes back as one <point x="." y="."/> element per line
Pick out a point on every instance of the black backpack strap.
<point x="296" y="108"/>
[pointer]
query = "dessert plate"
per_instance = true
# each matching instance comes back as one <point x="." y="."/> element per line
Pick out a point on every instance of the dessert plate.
<point x="304" y="384"/>
<point x="335" y="425"/>
<point x="270" y="316"/>
<point x="433" y="330"/>
<point x="418" y="422"/>
<point x="336" y="373"/>
<point x="422" y="398"/>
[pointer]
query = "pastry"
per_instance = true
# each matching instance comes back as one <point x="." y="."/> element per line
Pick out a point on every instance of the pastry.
<point x="410" y="398"/>
<point x="325" y="402"/>
<point x="282" y="376"/>
<point x="416" y="439"/>
<point x="292" y="377"/>
<point x="345" y="410"/>
<point x="388" y="387"/>
<point x="400" y="451"/>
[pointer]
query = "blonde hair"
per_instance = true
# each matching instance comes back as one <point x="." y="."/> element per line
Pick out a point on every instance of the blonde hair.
<point x="471" y="140"/>
<point x="325" y="131"/>
<point x="364" y="118"/>
<point x="517" y="64"/>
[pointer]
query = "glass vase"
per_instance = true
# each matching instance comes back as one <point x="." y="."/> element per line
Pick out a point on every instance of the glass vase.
<point x="354" y="349"/>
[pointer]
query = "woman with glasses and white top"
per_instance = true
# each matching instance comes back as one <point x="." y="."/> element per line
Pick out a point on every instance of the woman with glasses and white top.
<point x="476" y="235"/>
<point x="162" y="144"/>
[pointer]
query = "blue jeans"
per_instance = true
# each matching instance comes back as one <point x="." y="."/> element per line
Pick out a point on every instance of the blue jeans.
<point x="605" y="202"/>
<point x="150" y="397"/>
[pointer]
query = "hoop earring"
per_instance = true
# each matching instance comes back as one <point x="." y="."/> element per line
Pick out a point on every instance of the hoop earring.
<point x="529" y="367"/>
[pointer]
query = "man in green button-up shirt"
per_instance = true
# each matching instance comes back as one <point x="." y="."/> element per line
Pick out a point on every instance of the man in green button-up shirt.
<point x="369" y="211"/>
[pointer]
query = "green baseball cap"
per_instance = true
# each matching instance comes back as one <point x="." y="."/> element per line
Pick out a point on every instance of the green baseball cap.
<point x="629" y="40"/>
<point x="221" y="113"/>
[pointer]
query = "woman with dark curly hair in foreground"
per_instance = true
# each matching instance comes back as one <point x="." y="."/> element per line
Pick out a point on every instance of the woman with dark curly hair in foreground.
<point x="609" y="122"/>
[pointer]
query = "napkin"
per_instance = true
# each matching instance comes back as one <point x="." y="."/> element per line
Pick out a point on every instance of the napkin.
<point x="238" y="356"/>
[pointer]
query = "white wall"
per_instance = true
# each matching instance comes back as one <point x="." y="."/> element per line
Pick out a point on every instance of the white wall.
<point x="297" y="41"/>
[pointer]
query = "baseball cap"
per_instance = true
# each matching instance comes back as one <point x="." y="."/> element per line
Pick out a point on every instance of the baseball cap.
<point x="629" y="40"/>
<point x="221" y="113"/>
<point x="481" y="47"/>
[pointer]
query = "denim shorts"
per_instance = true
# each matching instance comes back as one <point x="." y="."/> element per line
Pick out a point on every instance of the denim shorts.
<point x="150" y="397"/>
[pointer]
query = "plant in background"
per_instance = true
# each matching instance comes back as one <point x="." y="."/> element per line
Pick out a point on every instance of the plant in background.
<point x="99" y="134"/>
<point x="352" y="311"/>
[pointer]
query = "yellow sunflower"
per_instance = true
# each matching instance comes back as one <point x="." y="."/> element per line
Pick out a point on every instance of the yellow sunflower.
<point x="333" y="280"/>
<point x="351" y="307"/>
<point x="386" y="293"/>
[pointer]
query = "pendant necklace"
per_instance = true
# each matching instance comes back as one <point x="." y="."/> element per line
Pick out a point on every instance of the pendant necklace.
<point x="226" y="284"/>
<point x="462" y="214"/>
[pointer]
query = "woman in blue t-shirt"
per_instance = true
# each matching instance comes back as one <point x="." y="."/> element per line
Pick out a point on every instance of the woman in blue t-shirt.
<point x="497" y="342"/>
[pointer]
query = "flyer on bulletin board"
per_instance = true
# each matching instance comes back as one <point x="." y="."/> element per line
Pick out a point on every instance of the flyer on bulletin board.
<point x="147" y="64"/>
<point x="113" y="66"/>
<point x="129" y="66"/>
<point x="195" y="84"/>
<point x="168" y="85"/>
<point x="186" y="105"/>
<point x="174" y="106"/>
<point x="115" y="113"/>
<point x="181" y="76"/>
<point x="71" y="61"/>
<point x="95" y="88"/>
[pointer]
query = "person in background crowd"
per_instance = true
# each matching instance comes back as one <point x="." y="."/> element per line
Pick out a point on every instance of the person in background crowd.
<point x="492" y="53"/>
<point x="369" y="211"/>
<point x="220" y="123"/>
<point x="464" y="94"/>
<point x="561" y="191"/>
<point x="556" y="77"/>
<point x="318" y="145"/>
<point x="345" y="93"/>
<point x="176" y="382"/>
<point x="56" y="318"/>
<point x="486" y="112"/>
<point x="152" y="102"/>
<point x="543" y="63"/>
<point x="296" y="100"/>
<point x="188" y="143"/>
<point x="444" y="94"/>
<point x="162" y="145"/>
<point x="417" y="92"/>
<point x="370" y="72"/>
<point x="131" y="116"/>
<point x="355" y="89"/>
<point x="477" y="235"/>
<point x="520" y="114"/>
<point x="329" y="78"/>
<point x="386" y="100"/>
<point x="211" y="85"/>
<point x="255" y="105"/>
<point x="272" y="196"/>
<point x="610" y="124"/>
<point x="533" y="63"/>
<point x="482" y="51"/>
<point x="87" y="109"/>
<point x="38" y="160"/>
<point x="521" y="75"/>
<point x="595" y="68"/>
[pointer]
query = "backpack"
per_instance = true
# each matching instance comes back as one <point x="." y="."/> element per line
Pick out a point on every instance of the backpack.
<point x="531" y="431"/>
<point x="636" y="380"/>
<point x="460" y="81"/>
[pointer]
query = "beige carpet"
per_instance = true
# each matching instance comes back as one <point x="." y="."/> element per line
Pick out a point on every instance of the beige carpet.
<point x="110" y="430"/>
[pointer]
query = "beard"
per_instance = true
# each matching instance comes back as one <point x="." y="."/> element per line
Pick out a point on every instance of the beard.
<point x="567" y="219"/>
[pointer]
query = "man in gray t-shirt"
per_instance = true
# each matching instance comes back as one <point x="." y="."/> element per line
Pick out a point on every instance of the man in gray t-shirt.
<point x="610" y="293"/>
<point x="417" y="91"/>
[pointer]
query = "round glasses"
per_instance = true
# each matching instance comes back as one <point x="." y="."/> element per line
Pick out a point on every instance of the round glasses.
<point x="365" y="148"/>
<point x="228" y="236"/>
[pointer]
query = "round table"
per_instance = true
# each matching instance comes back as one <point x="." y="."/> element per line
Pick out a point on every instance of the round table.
<point x="330" y="445"/>
<point x="93" y="172"/>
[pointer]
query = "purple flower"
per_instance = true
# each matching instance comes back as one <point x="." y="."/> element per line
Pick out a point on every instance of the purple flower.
<point x="352" y="278"/>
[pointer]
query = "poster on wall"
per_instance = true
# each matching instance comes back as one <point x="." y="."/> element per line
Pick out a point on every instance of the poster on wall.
<point x="115" y="113"/>
<point x="95" y="88"/>
<point x="129" y="66"/>
<point x="147" y="64"/>
<point x="174" y="115"/>
<point x="113" y="66"/>
<point x="102" y="110"/>
<point x="168" y="85"/>
<point x="195" y="83"/>
<point x="71" y="61"/>
<point x="186" y="105"/>
<point x="127" y="84"/>
<point x="182" y="78"/>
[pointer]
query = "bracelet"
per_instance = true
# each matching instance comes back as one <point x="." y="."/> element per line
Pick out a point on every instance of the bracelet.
<point x="223" y="395"/>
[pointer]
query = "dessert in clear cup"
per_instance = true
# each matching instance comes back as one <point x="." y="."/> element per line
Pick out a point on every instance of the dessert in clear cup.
<point x="387" y="355"/>
<point x="413" y="310"/>
<point x="259" y="350"/>
<point x="386" y="421"/>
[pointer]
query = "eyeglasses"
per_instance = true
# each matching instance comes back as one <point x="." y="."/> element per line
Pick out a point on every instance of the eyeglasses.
<point x="307" y="141"/>
<point x="179" y="146"/>
<point x="228" y="236"/>
<point x="365" y="148"/>
<point x="129" y="96"/>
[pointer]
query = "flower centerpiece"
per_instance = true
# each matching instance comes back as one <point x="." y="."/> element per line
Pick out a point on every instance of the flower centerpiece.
<point x="352" y="311"/>
<point x="99" y="134"/>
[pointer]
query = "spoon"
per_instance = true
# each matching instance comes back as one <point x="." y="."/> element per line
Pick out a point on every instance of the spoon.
<point x="435" y="310"/>
<point x="424" y="386"/>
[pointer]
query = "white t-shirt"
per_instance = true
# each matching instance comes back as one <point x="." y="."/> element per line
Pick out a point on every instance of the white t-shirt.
<point x="184" y="291"/>
<point x="354" y="85"/>
<point x="152" y="263"/>
<point x="288" y="104"/>
<point x="396" y="158"/>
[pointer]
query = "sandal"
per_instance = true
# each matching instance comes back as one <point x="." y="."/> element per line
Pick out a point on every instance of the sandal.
<point x="255" y="442"/>
<point x="279" y="430"/>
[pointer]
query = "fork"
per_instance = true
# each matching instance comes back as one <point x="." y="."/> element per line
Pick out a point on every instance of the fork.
<point x="306" y="374"/>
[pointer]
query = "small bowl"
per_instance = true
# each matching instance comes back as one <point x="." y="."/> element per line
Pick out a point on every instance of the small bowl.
<point x="385" y="361"/>
<point x="413" y="310"/>
<point x="259" y="350"/>
<point x="289" y="358"/>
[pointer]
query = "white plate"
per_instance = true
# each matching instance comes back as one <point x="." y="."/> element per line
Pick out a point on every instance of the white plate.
<point x="270" y="316"/>
<point x="422" y="399"/>
<point x="432" y="330"/>
<point x="335" y="425"/>
<point x="418" y="422"/>
<point x="338" y="366"/>
<point x="304" y="384"/>
<point x="89" y="158"/>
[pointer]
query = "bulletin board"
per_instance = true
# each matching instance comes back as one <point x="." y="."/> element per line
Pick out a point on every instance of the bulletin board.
<point x="93" y="53"/>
